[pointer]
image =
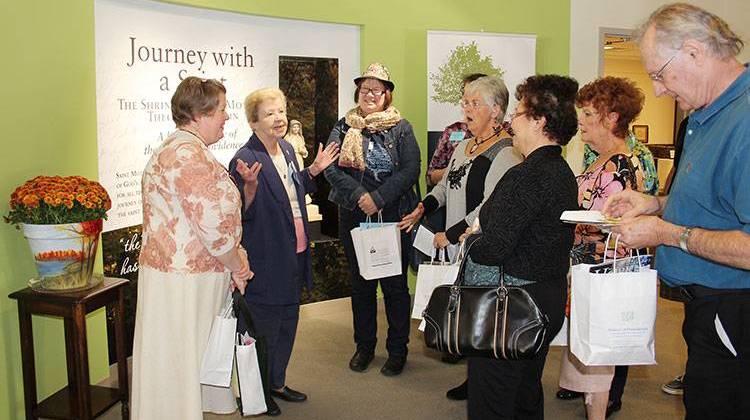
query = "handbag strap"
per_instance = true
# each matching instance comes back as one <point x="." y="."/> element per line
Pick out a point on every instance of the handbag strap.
<point x="462" y="257"/>
<point x="241" y="309"/>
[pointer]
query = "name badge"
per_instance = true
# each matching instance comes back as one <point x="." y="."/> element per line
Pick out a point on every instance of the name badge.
<point x="457" y="136"/>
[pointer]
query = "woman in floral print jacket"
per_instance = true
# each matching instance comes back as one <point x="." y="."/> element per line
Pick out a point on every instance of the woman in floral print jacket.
<point x="190" y="256"/>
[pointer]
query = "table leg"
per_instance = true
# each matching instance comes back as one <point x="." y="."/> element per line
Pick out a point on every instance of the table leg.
<point x="118" y="311"/>
<point x="78" y="359"/>
<point x="27" y="360"/>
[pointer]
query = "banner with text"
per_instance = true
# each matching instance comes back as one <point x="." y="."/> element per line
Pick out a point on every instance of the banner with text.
<point x="144" y="49"/>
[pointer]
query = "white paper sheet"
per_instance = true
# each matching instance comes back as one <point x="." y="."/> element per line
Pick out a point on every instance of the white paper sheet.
<point x="423" y="241"/>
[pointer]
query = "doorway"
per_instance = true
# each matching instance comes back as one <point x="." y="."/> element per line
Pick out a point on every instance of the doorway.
<point x="657" y="124"/>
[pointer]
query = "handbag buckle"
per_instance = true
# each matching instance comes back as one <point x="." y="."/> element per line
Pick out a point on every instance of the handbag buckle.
<point x="501" y="293"/>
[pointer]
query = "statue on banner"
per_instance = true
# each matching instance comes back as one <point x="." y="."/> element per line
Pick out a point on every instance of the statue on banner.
<point x="297" y="140"/>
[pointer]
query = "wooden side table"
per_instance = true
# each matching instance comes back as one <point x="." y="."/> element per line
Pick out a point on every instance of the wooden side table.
<point x="80" y="399"/>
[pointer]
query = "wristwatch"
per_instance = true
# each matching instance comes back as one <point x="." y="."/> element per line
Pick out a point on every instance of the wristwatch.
<point x="684" y="237"/>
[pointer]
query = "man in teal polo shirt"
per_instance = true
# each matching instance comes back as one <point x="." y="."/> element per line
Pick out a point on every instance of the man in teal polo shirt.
<point x="703" y="234"/>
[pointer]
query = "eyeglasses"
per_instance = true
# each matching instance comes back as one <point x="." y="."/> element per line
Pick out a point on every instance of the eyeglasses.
<point x="657" y="76"/>
<point x="472" y="104"/>
<point x="375" y="92"/>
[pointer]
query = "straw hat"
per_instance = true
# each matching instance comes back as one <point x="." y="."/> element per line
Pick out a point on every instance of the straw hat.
<point x="377" y="71"/>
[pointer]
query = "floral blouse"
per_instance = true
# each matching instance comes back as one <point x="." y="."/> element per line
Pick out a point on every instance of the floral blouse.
<point x="595" y="185"/>
<point x="645" y="163"/>
<point x="191" y="208"/>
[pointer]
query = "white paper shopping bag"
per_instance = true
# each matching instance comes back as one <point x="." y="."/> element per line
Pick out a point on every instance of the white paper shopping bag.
<point x="249" y="378"/>
<point x="378" y="250"/>
<point x="429" y="276"/>
<point x="612" y="316"/>
<point x="216" y="366"/>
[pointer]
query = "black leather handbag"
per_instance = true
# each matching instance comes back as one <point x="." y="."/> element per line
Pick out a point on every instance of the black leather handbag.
<point x="502" y="322"/>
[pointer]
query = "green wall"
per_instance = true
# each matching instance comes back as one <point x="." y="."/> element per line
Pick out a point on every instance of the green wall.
<point x="48" y="115"/>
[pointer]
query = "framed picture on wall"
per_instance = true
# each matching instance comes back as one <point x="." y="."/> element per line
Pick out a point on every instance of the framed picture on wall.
<point x="641" y="132"/>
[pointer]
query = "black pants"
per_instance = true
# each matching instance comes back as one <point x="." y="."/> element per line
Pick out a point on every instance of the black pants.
<point x="502" y="389"/>
<point x="716" y="380"/>
<point x="618" y="384"/>
<point x="364" y="292"/>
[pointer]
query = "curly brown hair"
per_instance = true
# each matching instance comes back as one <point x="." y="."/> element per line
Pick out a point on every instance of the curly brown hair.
<point x="613" y="94"/>
<point x="551" y="96"/>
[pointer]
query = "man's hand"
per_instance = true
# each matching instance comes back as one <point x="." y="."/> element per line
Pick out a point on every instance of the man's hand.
<point x="629" y="203"/>
<point x="646" y="231"/>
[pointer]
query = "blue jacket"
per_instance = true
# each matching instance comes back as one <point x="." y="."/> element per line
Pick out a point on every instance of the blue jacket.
<point x="268" y="227"/>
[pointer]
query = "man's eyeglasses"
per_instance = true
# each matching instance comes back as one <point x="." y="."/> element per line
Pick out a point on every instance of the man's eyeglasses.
<point x="375" y="92"/>
<point x="658" y="75"/>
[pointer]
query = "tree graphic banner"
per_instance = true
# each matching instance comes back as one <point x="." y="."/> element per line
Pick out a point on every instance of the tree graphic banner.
<point x="453" y="55"/>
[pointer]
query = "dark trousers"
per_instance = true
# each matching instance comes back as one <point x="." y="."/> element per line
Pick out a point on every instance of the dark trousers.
<point x="278" y="324"/>
<point x="364" y="292"/>
<point x="716" y="381"/>
<point x="618" y="384"/>
<point x="503" y="389"/>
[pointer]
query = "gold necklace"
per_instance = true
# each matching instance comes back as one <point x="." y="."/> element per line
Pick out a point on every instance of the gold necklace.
<point x="478" y="143"/>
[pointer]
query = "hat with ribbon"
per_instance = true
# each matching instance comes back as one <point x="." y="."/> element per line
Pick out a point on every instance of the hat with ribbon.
<point x="377" y="71"/>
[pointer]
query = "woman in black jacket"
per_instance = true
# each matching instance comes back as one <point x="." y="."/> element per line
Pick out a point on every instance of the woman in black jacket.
<point x="376" y="172"/>
<point x="523" y="234"/>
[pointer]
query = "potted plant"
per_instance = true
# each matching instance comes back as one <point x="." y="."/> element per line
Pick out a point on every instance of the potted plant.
<point x="61" y="217"/>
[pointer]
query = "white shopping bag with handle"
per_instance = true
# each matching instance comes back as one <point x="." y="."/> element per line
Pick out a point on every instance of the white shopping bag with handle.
<point x="378" y="249"/>
<point x="216" y="366"/>
<point x="429" y="276"/>
<point x="612" y="314"/>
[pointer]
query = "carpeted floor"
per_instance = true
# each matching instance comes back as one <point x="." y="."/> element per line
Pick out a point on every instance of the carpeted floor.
<point x="319" y="367"/>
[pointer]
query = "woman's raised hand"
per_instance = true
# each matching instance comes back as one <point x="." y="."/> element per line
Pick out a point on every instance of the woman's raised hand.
<point x="411" y="219"/>
<point x="249" y="174"/>
<point x="324" y="158"/>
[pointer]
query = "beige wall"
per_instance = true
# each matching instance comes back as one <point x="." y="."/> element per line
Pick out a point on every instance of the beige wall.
<point x="658" y="113"/>
<point x="588" y="16"/>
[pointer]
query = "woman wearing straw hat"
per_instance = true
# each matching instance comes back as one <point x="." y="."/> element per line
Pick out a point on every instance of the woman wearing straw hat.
<point x="376" y="172"/>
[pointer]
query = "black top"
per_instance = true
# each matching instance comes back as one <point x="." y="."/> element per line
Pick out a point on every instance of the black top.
<point x="521" y="223"/>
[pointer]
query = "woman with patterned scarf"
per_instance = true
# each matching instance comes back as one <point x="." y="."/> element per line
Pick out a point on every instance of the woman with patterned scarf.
<point x="376" y="172"/>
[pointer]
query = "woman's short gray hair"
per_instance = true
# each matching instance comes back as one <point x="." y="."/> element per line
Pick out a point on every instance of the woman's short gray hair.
<point x="677" y="22"/>
<point x="493" y="91"/>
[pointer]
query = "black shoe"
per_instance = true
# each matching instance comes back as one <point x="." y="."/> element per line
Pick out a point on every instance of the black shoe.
<point x="273" y="408"/>
<point x="288" y="394"/>
<point x="613" y="407"/>
<point x="450" y="358"/>
<point x="393" y="366"/>
<point x="459" y="393"/>
<point x="566" y="394"/>
<point x="361" y="360"/>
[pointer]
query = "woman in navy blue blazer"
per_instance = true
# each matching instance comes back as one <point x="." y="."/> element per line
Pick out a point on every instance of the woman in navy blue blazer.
<point x="274" y="230"/>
